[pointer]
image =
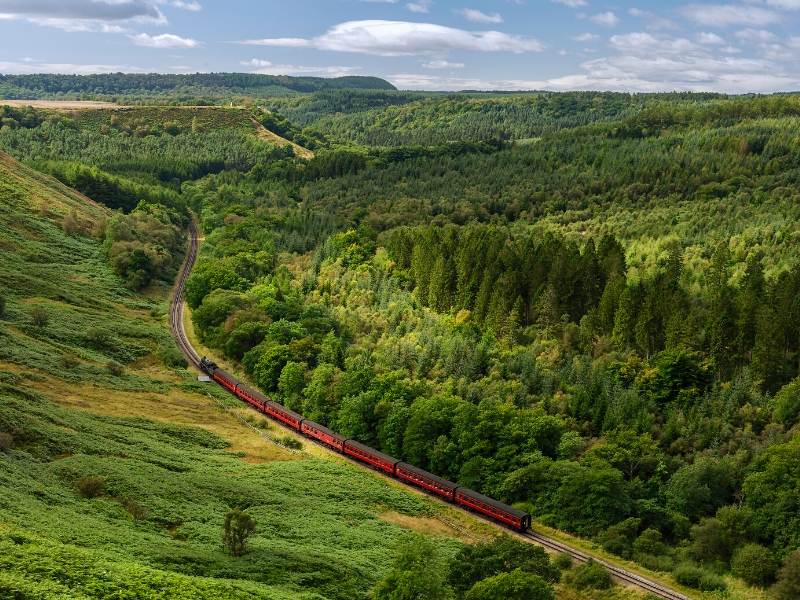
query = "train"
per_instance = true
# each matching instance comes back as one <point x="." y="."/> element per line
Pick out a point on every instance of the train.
<point x="409" y="474"/>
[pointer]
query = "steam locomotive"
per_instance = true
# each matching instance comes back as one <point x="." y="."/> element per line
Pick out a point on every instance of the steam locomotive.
<point x="488" y="507"/>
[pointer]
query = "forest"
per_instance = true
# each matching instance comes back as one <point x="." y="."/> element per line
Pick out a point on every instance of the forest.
<point x="598" y="325"/>
<point x="197" y="88"/>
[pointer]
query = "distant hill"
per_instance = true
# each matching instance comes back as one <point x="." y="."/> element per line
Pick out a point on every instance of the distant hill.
<point x="195" y="86"/>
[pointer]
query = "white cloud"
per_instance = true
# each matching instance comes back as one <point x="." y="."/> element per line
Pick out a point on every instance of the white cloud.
<point x="709" y="39"/>
<point x="420" y="6"/>
<point x="786" y="4"/>
<point x="28" y="66"/>
<point x="266" y="67"/>
<point x="83" y="15"/>
<point x="571" y="3"/>
<point x="403" y="38"/>
<point x="190" y="6"/>
<point x="442" y="64"/>
<point x="725" y="15"/>
<point x="756" y="36"/>
<point x="476" y="16"/>
<point x="607" y="19"/>
<point x="586" y="37"/>
<point x="165" y="40"/>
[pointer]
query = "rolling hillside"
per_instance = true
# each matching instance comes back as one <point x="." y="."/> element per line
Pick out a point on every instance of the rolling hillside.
<point x="86" y="393"/>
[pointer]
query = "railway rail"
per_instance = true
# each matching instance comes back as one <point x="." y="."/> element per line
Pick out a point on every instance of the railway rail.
<point x="620" y="574"/>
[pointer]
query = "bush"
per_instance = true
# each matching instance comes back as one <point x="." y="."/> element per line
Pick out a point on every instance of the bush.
<point x="516" y="585"/>
<point x="697" y="578"/>
<point x="755" y="564"/>
<point x="40" y="317"/>
<point x="69" y="361"/>
<point x="137" y="511"/>
<point x="2" y="306"/>
<point x="91" y="486"/>
<point x="590" y="575"/>
<point x="563" y="561"/>
<point x="238" y="527"/>
<point x="114" y="368"/>
<point x="788" y="586"/>
<point x="6" y="441"/>
<point x="172" y="358"/>
<point x="291" y="442"/>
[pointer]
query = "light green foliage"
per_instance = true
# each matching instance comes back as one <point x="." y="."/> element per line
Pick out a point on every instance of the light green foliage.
<point x="414" y="575"/>
<point x="787" y="402"/>
<point x="517" y="585"/>
<point x="755" y="564"/>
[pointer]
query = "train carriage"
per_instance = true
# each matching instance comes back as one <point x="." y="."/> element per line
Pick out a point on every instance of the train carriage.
<point x="283" y="414"/>
<point x="255" y="399"/>
<point x="427" y="481"/>
<point x="365" y="454"/>
<point x="225" y="379"/>
<point x="498" y="511"/>
<point x="323" y="434"/>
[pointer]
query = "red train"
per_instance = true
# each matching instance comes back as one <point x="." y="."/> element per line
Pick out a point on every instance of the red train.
<point x="410" y="474"/>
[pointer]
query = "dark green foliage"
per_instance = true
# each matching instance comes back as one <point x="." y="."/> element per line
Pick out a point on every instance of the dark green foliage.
<point x="502" y="555"/>
<point x="755" y="564"/>
<point x="236" y="531"/>
<point x="2" y="306"/>
<point x="589" y="575"/>
<point x="91" y="486"/>
<point x="563" y="561"/>
<point x="175" y="87"/>
<point x="788" y="586"/>
<point x="6" y="441"/>
<point x="697" y="578"/>
<point x="40" y="317"/>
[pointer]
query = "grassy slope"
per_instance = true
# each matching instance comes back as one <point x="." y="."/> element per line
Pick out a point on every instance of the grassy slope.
<point x="320" y="521"/>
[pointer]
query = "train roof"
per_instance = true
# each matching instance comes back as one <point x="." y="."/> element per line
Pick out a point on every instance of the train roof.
<point x="491" y="502"/>
<point x="227" y="376"/>
<point x="372" y="451"/>
<point x="285" y="410"/>
<point x="324" y="429"/>
<point x="254" y="393"/>
<point x="443" y="482"/>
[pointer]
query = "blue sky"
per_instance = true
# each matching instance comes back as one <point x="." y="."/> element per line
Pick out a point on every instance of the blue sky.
<point x="641" y="45"/>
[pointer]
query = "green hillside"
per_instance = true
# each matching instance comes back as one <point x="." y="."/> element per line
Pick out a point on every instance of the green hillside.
<point x="215" y="87"/>
<point x="76" y="393"/>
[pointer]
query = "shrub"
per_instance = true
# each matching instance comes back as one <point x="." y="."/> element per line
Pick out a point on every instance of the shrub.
<point x="137" y="511"/>
<point x="2" y="306"/>
<point x="237" y="529"/>
<point x="590" y="575"/>
<point x="91" y="486"/>
<point x="69" y="361"/>
<point x="563" y="561"/>
<point x="788" y="586"/>
<point x="516" y="585"/>
<point x="172" y="357"/>
<point x="697" y="578"/>
<point x="755" y="564"/>
<point x="6" y="441"/>
<point x="40" y="317"/>
<point x="291" y="442"/>
<point x="97" y="337"/>
<point x="114" y="368"/>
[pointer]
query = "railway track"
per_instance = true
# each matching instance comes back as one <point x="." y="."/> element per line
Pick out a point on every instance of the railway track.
<point x="622" y="575"/>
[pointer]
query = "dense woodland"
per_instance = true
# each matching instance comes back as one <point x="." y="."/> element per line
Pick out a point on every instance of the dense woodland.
<point x="600" y="326"/>
<point x="197" y="88"/>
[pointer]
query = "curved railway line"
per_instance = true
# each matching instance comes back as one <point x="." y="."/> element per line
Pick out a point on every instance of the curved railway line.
<point x="620" y="574"/>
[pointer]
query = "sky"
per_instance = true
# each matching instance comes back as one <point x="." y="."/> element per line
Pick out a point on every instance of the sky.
<point x="641" y="45"/>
